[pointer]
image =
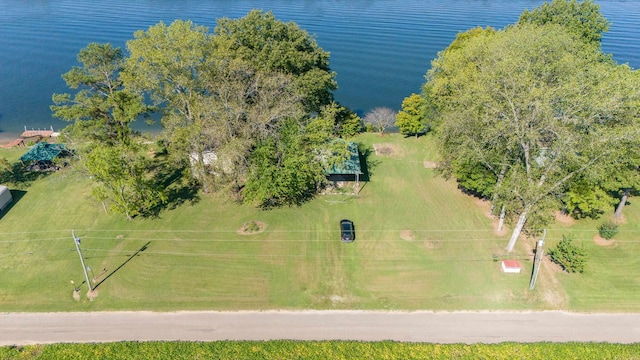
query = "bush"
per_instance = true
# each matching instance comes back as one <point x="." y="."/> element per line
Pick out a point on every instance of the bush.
<point x="571" y="257"/>
<point x="608" y="230"/>
<point x="369" y="128"/>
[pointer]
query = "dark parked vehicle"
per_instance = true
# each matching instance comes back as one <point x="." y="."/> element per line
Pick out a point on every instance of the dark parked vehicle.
<point x="347" y="231"/>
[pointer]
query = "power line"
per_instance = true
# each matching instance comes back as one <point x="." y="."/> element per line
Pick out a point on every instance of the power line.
<point x="187" y="231"/>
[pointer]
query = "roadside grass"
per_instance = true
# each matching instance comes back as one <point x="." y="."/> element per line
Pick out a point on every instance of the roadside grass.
<point x="610" y="281"/>
<point x="420" y="244"/>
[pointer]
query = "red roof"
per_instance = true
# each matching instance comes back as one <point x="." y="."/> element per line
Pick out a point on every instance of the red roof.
<point x="511" y="264"/>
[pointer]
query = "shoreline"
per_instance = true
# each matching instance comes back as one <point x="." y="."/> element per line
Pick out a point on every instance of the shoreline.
<point x="7" y="137"/>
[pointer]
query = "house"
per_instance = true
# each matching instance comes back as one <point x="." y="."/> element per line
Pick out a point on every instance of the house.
<point x="5" y="197"/>
<point x="210" y="159"/>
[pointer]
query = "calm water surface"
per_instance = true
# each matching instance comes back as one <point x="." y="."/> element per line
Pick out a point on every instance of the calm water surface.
<point x="380" y="49"/>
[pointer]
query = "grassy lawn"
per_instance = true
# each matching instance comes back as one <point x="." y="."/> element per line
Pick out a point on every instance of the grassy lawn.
<point x="420" y="244"/>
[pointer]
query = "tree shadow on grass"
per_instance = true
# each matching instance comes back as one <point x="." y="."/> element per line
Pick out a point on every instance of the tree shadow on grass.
<point x="142" y="249"/>
<point x="367" y="165"/>
<point x="18" y="175"/>
<point x="176" y="184"/>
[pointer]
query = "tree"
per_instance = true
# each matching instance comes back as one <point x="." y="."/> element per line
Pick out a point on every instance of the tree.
<point x="275" y="46"/>
<point x="288" y="169"/>
<point x="168" y="63"/>
<point x="121" y="181"/>
<point x="571" y="257"/>
<point x="623" y="179"/>
<point x="531" y="108"/>
<point x="228" y="92"/>
<point x="586" y="199"/>
<point x="380" y="118"/>
<point x="102" y="110"/>
<point x="412" y="120"/>
<point x="346" y="122"/>
<point x="580" y="18"/>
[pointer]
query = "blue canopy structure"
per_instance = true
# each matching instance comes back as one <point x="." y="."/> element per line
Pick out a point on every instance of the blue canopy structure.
<point x="43" y="152"/>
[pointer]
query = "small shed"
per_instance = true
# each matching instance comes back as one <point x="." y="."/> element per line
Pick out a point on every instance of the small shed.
<point x="5" y="197"/>
<point x="511" y="266"/>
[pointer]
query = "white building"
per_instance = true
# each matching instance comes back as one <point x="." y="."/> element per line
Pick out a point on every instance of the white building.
<point x="5" y="197"/>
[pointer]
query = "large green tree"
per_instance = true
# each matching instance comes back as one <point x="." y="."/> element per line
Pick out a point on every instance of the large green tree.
<point x="274" y="46"/>
<point x="168" y="64"/>
<point x="527" y="110"/>
<point x="101" y="113"/>
<point x="412" y="119"/>
<point x="226" y="95"/>
<point x="101" y="110"/>
<point x="289" y="168"/>
<point x="582" y="18"/>
<point x="122" y="183"/>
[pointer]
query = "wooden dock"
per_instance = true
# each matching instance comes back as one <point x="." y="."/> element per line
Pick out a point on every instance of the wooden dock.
<point x="33" y="134"/>
<point x="36" y="133"/>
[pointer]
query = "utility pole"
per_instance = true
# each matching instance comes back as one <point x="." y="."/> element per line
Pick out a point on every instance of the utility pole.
<point x="537" y="260"/>
<point x="84" y="268"/>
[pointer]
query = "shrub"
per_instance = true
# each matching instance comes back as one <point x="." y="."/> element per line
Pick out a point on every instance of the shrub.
<point x="608" y="230"/>
<point x="571" y="257"/>
<point x="369" y="128"/>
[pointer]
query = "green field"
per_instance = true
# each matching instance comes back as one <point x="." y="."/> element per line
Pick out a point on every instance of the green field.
<point x="420" y="244"/>
<point x="286" y="349"/>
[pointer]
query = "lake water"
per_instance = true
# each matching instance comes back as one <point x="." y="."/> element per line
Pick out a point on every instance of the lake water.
<point x="380" y="49"/>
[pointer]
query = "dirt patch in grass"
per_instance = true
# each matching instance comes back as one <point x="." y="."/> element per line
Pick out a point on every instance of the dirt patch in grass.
<point x="620" y="221"/>
<point x="485" y="206"/>
<point x="92" y="294"/>
<point x="252" y="227"/>
<point x="494" y="224"/>
<point x="563" y="218"/>
<point x="388" y="150"/>
<point x="548" y="287"/>
<point x="432" y="244"/>
<point x="430" y="164"/>
<point x="600" y="241"/>
<point x="407" y="235"/>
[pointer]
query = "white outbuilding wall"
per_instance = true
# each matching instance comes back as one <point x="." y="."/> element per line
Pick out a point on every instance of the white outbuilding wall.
<point x="5" y="197"/>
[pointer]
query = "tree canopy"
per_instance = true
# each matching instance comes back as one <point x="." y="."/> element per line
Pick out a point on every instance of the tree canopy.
<point x="251" y="97"/>
<point x="102" y="109"/>
<point x="523" y="112"/>
<point x="580" y="18"/>
<point x="102" y="112"/>
<point x="275" y="46"/>
<point x="412" y="119"/>
<point x="230" y="92"/>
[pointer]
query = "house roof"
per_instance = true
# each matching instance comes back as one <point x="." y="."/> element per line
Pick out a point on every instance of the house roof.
<point x="351" y="165"/>
<point x="43" y="152"/>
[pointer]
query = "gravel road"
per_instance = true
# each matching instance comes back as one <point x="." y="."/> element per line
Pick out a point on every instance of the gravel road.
<point x="421" y="326"/>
